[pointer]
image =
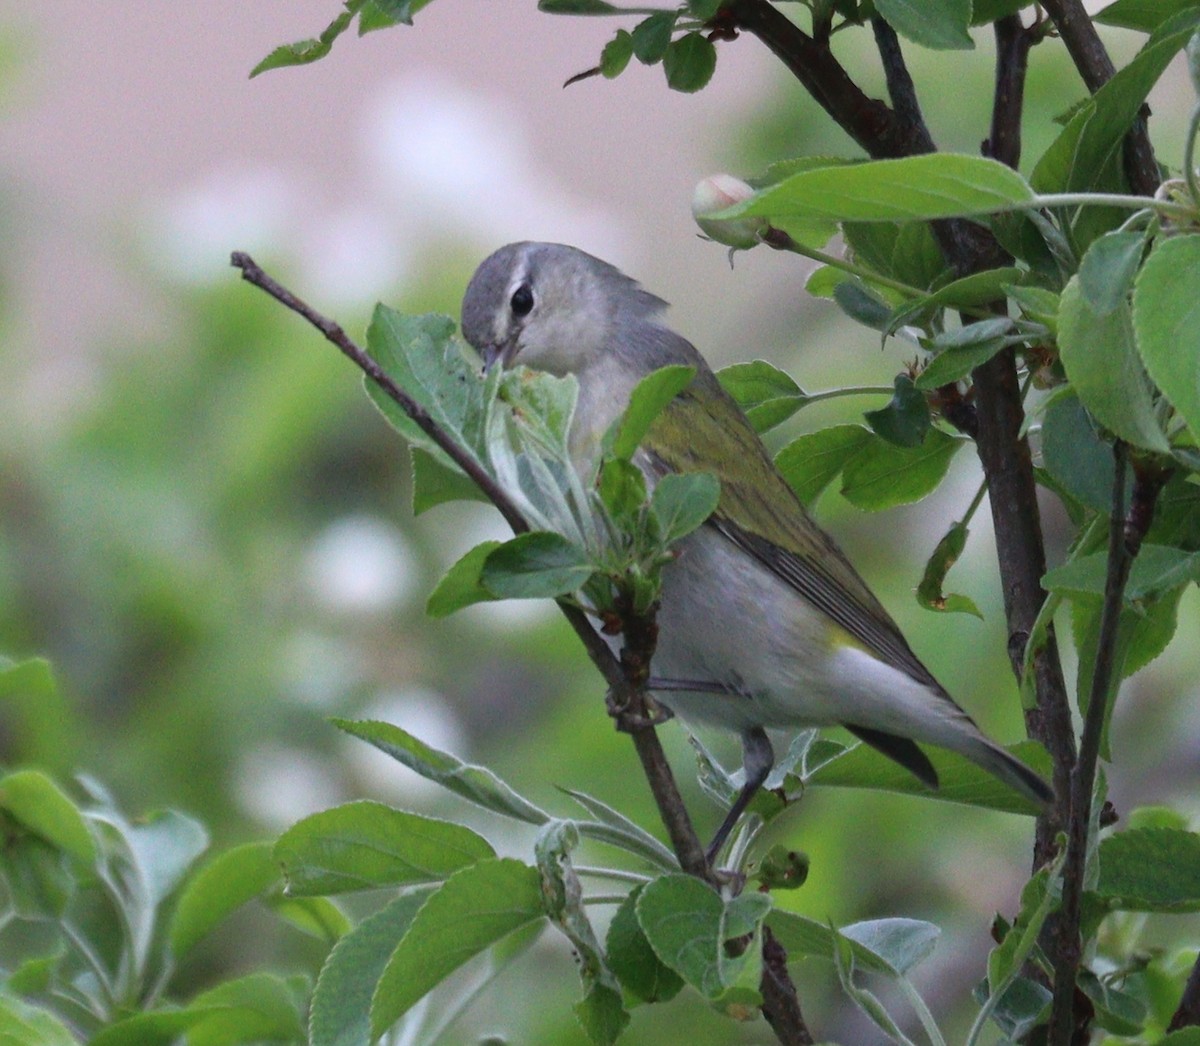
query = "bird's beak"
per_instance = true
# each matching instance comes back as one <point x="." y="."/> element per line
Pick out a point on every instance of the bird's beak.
<point x="501" y="354"/>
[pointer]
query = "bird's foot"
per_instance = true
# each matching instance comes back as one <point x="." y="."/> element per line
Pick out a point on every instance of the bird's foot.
<point x="630" y="721"/>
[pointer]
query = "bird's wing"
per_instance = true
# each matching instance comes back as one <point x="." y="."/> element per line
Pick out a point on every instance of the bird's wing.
<point x="760" y="513"/>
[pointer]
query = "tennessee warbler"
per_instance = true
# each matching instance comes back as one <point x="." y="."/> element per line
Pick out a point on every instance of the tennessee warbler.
<point x="761" y="609"/>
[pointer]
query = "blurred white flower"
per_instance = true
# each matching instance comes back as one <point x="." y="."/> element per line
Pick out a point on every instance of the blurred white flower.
<point x="318" y="671"/>
<point x="278" y="785"/>
<point x="456" y="162"/>
<point x="225" y="210"/>
<point x="360" y="565"/>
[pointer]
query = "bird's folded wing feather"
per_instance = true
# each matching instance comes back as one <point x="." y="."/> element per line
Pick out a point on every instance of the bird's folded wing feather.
<point x="702" y="430"/>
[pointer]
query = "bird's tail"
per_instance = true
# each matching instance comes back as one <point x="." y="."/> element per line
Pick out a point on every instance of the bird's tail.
<point x="996" y="761"/>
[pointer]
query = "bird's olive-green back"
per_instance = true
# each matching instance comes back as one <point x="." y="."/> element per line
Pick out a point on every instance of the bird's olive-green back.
<point x="703" y="430"/>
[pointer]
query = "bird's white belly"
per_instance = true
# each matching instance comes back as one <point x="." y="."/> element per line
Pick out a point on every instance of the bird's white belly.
<point x="726" y="619"/>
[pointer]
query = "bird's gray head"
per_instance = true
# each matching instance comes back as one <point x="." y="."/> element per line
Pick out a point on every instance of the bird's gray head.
<point x="550" y="306"/>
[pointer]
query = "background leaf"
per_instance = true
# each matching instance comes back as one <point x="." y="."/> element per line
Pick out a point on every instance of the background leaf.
<point x="1166" y="319"/>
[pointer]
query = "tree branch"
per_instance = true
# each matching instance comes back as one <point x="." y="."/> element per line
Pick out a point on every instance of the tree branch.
<point x="875" y="127"/>
<point x="1063" y="1018"/>
<point x="1016" y="520"/>
<point x="901" y="89"/>
<point x="1013" y="42"/>
<point x="626" y="679"/>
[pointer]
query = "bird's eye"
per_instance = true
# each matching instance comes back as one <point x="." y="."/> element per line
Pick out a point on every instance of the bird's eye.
<point x="522" y="300"/>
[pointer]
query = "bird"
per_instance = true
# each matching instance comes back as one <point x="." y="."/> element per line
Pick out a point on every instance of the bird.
<point x="761" y="610"/>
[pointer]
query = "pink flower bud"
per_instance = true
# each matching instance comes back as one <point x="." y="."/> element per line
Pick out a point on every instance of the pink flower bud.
<point x="717" y="192"/>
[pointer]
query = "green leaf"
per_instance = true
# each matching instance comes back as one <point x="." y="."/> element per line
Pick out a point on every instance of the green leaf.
<point x="1150" y="870"/>
<point x="805" y="937"/>
<point x="1117" y="1011"/>
<point x="473" y="909"/>
<point x="1036" y="304"/>
<point x="959" y="352"/>
<point x="600" y="1012"/>
<point x="615" y="828"/>
<point x="1166" y="320"/>
<point x="622" y="490"/>
<point x="647" y="401"/>
<point x="40" y="723"/>
<point x="959" y="780"/>
<point x="955" y="364"/>
<point x="1075" y="455"/>
<point x="1107" y="270"/>
<point x="900" y="944"/>
<point x="462" y="584"/>
<point x="1145" y="15"/>
<point x="767" y="395"/>
<point x="259" y="1007"/>
<point x="1038" y="898"/>
<point x="474" y="783"/>
<point x="1144" y="631"/>
<point x="936" y="185"/>
<point x="967" y="292"/>
<point x="1157" y="569"/>
<point x="341" y="1002"/>
<point x="39" y="805"/>
<point x="929" y="591"/>
<point x="163" y="847"/>
<point x="302" y="52"/>
<point x="689" y="62"/>
<point x="1021" y="1007"/>
<point x="318" y="917"/>
<point x="813" y="461"/>
<point x="420" y="355"/>
<point x="905" y="419"/>
<point x="1099" y="356"/>
<point x="882" y="475"/>
<point x="151" y="1028"/>
<point x="537" y="565"/>
<point x="652" y="36"/>
<point x="687" y="925"/>
<point x="861" y="303"/>
<point x="223" y="884"/>
<point x="363" y="845"/>
<point x="939" y="24"/>
<point x="27" y="1025"/>
<point x="984" y="12"/>
<point x="435" y="482"/>
<point x="633" y="960"/>
<point x="616" y="54"/>
<point x="682" y="502"/>
<point x="1081" y="154"/>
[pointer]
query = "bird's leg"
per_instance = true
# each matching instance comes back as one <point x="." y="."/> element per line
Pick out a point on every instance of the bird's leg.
<point x="702" y="686"/>
<point x="757" y="759"/>
<point x="659" y="712"/>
